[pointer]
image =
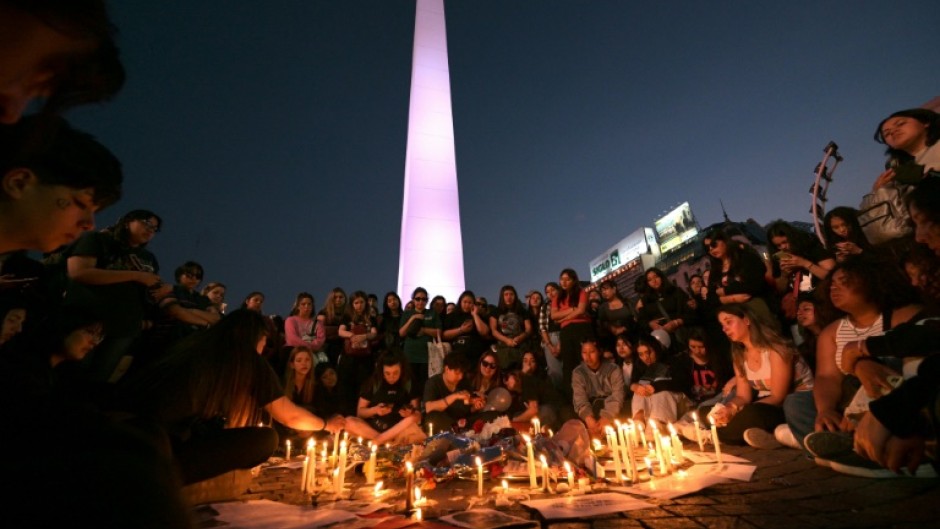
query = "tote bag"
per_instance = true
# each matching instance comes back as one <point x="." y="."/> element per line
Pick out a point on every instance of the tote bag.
<point x="437" y="350"/>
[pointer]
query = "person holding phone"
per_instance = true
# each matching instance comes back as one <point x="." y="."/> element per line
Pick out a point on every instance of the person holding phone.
<point x="799" y="262"/>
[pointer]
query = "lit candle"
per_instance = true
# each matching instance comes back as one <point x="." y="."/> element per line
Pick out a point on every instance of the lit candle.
<point x="287" y="451"/>
<point x="570" y="476"/>
<point x="370" y="476"/>
<point x="614" y="452"/>
<point x="536" y="426"/>
<point x="409" y="486"/>
<point x="715" y="440"/>
<point x="335" y="447"/>
<point x="658" y="440"/>
<point x="640" y="428"/>
<point x="341" y="467"/>
<point x="377" y="491"/>
<point x="676" y="443"/>
<point x="530" y="461"/>
<point x="359" y="440"/>
<point x="649" y="466"/>
<point x="336" y="484"/>
<point x="479" y="477"/>
<point x="418" y="516"/>
<point x="505" y="487"/>
<point x="633" y="437"/>
<point x="418" y="499"/>
<point x="544" y="473"/>
<point x="631" y="456"/>
<point x="662" y="449"/>
<point x="550" y="432"/>
<point x="698" y="432"/>
<point x="430" y="429"/>
<point x="303" y="475"/>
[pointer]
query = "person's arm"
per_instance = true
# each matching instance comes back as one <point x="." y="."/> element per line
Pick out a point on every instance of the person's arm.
<point x="284" y="411"/>
<point x="292" y="335"/>
<point x="190" y="316"/>
<point x="82" y="269"/>
<point x="827" y="386"/>
<point x="483" y="329"/>
<point x="319" y="337"/>
<point x="614" y="403"/>
<point x="781" y="379"/>
<point x="343" y="332"/>
<point x="580" y="309"/>
<point x="741" y="398"/>
<point x="531" y="411"/>
<point x="494" y="331"/>
<point x="579" y="396"/>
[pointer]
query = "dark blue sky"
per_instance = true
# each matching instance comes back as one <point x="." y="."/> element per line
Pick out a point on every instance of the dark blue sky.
<point x="270" y="136"/>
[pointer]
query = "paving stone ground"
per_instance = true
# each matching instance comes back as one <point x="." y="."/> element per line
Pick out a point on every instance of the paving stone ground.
<point x="786" y="491"/>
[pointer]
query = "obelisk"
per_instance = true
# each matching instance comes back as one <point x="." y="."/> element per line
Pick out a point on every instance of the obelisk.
<point x="431" y="251"/>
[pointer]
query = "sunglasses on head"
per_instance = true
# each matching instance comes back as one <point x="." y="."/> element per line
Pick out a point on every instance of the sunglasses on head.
<point x="488" y="365"/>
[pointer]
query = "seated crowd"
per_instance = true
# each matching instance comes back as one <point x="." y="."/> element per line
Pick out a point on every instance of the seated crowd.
<point x="135" y="372"/>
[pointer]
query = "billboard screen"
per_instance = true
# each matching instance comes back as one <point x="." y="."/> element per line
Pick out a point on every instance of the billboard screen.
<point x="622" y="253"/>
<point x="676" y="227"/>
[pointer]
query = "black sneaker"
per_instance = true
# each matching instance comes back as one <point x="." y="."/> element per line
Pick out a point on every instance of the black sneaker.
<point x="827" y="445"/>
<point x="856" y="465"/>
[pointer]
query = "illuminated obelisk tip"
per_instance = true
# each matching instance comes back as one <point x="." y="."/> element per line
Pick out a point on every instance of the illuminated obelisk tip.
<point x="431" y="251"/>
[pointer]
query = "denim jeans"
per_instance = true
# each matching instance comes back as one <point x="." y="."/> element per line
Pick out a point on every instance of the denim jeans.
<point x="800" y="411"/>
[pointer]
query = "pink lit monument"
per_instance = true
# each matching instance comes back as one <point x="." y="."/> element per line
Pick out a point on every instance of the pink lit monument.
<point x="431" y="247"/>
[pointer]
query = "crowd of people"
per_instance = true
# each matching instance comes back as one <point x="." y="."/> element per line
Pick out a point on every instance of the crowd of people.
<point x="136" y="386"/>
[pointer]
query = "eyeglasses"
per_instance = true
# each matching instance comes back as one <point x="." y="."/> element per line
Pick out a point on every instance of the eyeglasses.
<point x="149" y="225"/>
<point x="711" y="244"/>
<point x="420" y="298"/>
<point x="480" y="304"/>
<point x="488" y="365"/>
<point x="194" y="275"/>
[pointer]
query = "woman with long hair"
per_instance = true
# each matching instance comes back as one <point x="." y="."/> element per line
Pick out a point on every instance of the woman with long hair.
<point x="465" y="329"/>
<point x="215" y="291"/>
<point x="570" y="311"/>
<point x="551" y="336"/>
<point x="799" y="263"/>
<point x="844" y="236"/>
<point x="387" y="411"/>
<point x="510" y="327"/>
<point x="254" y="301"/>
<point x="300" y="327"/>
<point x="766" y="365"/>
<point x="736" y="275"/>
<point x="209" y="393"/>
<point x="871" y="297"/>
<point x="112" y="270"/>
<point x="330" y="318"/>
<point x="614" y="317"/>
<point x="665" y="307"/>
<point x="357" y="360"/>
<point x="299" y="384"/>
<point x="419" y="326"/>
<point x="390" y="323"/>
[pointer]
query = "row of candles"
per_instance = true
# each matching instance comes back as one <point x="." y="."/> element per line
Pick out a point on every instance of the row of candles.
<point x="337" y="461"/>
<point x="624" y="442"/>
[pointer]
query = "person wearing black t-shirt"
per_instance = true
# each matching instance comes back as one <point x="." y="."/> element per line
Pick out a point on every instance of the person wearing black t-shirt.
<point x="388" y="408"/>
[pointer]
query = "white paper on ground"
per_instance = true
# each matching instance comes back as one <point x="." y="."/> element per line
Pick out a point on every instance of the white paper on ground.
<point x="486" y="519"/>
<point x="267" y="514"/>
<point x="709" y="457"/>
<point x="693" y="480"/>
<point x="587" y="505"/>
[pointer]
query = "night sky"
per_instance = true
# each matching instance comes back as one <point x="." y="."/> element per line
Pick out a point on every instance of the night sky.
<point x="270" y="136"/>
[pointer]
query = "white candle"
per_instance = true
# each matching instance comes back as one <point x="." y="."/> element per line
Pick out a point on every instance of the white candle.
<point x="530" y="461"/>
<point x="536" y="426"/>
<point x="430" y="429"/>
<point x="631" y="456"/>
<point x="649" y="466"/>
<point x="303" y="475"/>
<point x="409" y="486"/>
<point x="287" y="451"/>
<point x="676" y="443"/>
<point x="377" y="491"/>
<point x="639" y="427"/>
<point x="715" y="439"/>
<point x="312" y="466"/>
<point x="505" y="487"/>
<point x="479" y="477"/>
<point x="335" y="447"/>
<point x="614" y="452"/>
<point x="341" y="467"/>
<point x="370" y="476"/>
<point x="658" y="440"/>
<point x="544" y="472"/>
<point x="698" y="432"/>
<point x="663" y="448"/>
<point x="570" y="474"/>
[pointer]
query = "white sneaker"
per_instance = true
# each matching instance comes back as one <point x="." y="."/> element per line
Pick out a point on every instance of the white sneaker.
<point x="762" y="439"/>
<point x="784" y="435"/>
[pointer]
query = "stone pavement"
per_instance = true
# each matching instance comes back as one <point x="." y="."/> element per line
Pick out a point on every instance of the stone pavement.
<point x="786" y="491"/>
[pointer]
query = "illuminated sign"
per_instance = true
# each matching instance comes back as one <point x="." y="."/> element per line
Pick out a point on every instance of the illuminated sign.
<point x="676" y="227"/>
<point x="622" y="253"/>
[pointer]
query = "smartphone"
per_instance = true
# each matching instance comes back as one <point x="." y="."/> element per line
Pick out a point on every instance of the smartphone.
<point x="782" y="255"/>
